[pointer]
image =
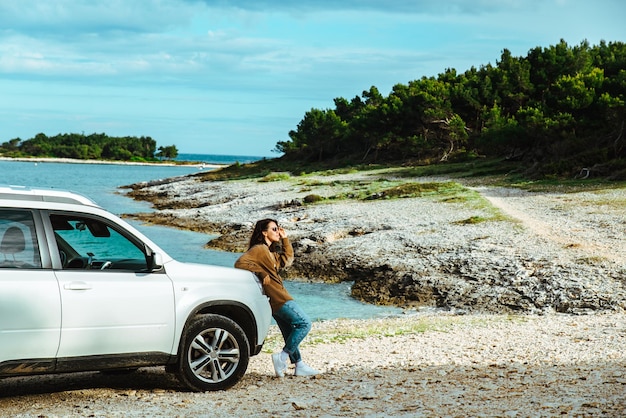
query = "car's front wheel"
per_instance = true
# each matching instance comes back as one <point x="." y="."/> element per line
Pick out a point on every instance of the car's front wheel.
<point x="214" y="354"/>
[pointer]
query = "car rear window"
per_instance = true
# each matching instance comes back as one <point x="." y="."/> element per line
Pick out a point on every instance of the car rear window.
<point x="18" y="240"/>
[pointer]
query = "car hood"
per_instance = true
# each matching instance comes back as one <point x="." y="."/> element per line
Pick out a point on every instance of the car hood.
<point x="196" y="272"/>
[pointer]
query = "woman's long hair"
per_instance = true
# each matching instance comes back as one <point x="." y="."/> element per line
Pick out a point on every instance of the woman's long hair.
<point x="257" y="235"/>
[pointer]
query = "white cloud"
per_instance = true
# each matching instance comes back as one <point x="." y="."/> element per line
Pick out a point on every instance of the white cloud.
<point x="68" y="17"/>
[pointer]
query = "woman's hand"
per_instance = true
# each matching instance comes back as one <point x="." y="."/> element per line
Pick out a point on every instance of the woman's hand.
<point x="281" y="232"/>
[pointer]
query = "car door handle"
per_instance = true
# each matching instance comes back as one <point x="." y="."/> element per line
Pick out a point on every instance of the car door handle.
<point x="77" y="286"/>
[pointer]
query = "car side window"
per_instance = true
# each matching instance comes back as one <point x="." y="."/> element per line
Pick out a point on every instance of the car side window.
<point x="18" y="240"/>
<point x="88" y="243"/>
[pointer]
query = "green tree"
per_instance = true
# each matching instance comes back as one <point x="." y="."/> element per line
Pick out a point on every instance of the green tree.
<point x="169" y="152"/>
<point x="318" y="135"/>
<point x="11" y="146"/>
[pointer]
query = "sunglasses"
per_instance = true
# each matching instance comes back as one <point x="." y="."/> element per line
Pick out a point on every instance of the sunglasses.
<point x="274" y="228"/>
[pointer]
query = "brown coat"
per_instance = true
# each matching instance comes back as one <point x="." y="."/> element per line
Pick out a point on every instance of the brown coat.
<point x="261" y="261"/>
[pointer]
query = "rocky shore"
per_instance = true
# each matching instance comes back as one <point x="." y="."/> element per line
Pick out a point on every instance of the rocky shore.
<point x="476" y="248"/>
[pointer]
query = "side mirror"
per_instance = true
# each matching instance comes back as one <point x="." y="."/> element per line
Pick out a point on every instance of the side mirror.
<point x="155" y="260"/>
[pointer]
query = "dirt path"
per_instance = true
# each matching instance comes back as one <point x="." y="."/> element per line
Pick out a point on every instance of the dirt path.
<point x="564" y="219"/>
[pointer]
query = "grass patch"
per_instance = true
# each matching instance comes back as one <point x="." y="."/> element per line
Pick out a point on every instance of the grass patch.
<point x="346" y="170"/>
<point x="566" y="186"/>
<point x="312" y="198"/>
<point x="476" y="168"/>
<point x="393" y="183"/>
<point x="475" y="200"/>
<point x="456" y="199"/>
<point x="480" y="171"/>
<point x="274" y="176"/>
<point x="342" y="331"/>
<point x="264" y="167"/>
<point x="416" y="189"/>
<point x="592" y="260"/>
<point x="382" y="189"/>
<point x="385" y="189"/>
<point x="345" y="330"/>
<point x="472" y="220"/>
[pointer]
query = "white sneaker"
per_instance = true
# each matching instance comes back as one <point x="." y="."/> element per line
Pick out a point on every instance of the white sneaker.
<point x="279" y="365"/>
<point x="303" y="369"/>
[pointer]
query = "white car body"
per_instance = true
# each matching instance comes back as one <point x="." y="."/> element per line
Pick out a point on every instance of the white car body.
<point x="96" y="312"/>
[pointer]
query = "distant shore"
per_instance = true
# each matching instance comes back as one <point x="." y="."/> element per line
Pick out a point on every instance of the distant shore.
<point x="109" y="162"/>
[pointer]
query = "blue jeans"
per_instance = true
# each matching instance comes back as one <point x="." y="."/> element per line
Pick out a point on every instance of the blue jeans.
<point x="294" y="324"/>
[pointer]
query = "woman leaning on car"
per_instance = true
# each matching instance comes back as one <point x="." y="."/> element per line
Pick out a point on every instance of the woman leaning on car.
<point x="268" y="252"/>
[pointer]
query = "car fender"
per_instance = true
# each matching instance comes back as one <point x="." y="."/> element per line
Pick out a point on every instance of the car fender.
<point x="200" y="288"/>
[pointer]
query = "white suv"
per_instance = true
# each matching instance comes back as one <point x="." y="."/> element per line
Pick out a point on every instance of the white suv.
<point x="81" y="289"/>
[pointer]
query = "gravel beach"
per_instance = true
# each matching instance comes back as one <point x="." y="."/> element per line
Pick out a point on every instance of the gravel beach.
<point x="533" y="362"/>
<point x="458" y="366"/>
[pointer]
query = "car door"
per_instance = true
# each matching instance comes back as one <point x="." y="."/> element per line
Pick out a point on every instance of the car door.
<point x="30" y="304"/>
<point x="111" y="303"/>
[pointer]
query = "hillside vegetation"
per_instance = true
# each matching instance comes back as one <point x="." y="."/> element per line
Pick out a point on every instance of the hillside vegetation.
<point x="559" y="110"/>
<point x="88" y="147"/>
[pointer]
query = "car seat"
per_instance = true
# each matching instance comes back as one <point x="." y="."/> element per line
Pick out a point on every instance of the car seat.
<point x="13" y="242"/>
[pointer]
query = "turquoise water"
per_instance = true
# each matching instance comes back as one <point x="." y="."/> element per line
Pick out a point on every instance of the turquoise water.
<point x="218" y="159"/>
<point x="101" y="183"/>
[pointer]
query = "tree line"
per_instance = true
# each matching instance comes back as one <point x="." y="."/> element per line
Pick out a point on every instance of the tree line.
<point x="560" y="109"/>
<point x="89" y="147"/>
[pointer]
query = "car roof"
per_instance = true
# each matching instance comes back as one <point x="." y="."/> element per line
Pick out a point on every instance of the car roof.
<point x="24" y="193"/>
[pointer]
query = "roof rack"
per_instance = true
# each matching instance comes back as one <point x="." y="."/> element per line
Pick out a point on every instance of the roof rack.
<point x="44" y="195"/>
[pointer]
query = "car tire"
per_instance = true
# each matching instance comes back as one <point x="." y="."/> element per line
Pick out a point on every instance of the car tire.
<point x="214" y="354"/>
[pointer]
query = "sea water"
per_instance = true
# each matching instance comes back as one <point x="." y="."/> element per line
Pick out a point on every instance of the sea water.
<point x="101" y="183"/>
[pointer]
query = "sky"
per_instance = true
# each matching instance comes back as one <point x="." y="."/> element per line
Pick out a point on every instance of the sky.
<point x="234" y="77"/>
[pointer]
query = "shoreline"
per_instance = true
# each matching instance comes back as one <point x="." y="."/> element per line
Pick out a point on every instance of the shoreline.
<point x="111" y="162"/>
<point x="526" y="253"/>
